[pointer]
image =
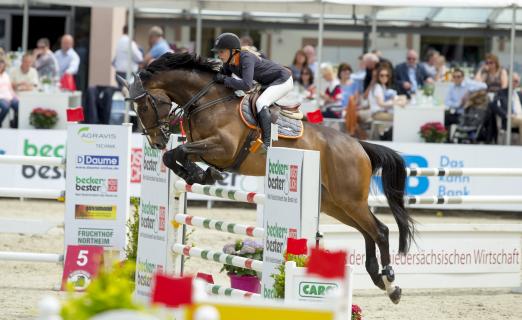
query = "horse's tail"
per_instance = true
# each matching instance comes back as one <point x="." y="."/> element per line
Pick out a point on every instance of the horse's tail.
<point x="393" y="182"/>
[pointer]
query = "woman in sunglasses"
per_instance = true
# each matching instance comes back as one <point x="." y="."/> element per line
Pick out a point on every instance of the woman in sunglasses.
<point x="380" y="98"/>
<point x="492" y="74"/>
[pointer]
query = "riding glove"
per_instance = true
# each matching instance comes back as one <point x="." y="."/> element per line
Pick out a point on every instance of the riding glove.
<point x="219" y="78"/>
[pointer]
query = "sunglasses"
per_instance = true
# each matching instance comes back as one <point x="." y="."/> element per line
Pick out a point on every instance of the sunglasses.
<point x="490" y="62"/>
<point x="384" y="75"/>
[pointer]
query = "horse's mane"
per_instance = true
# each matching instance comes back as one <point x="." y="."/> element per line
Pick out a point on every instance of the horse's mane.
<point x="182" y="60"/>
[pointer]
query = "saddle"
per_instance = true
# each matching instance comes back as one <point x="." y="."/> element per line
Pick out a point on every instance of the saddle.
<point x="285" y="113"/>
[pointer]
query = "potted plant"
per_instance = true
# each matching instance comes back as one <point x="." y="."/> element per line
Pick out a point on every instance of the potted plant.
<point x="433" y="132"/>
<point x="42" y="118"/>
<point x="241" y="278"/>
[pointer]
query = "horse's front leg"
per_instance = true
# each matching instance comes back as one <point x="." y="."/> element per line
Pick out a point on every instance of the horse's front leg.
<point x="179" y="161"/>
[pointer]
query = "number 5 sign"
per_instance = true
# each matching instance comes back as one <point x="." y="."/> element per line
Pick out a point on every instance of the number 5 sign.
<point x="81" y="265"/>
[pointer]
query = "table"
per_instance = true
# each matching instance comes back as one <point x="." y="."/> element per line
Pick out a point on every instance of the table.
<point x="408" y="120"/>
<point x="59" y="101"/>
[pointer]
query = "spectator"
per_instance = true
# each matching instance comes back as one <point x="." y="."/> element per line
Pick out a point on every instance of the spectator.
<point x="516" y="116"/>
<point x="68" y="60"/>
<point x="311" y="58"/>
<point x="440" y="66"/>
<point x="359" y="75"/>
<point x="158" y="45"/>
<point x="370" y="61"/>
<point x="25" y="77"/>
<point x="333" y="93"/>
<point x="8" y="97"/>
<point x="381" y="99"/>
<point x="409" y="75"/>
<point x="306" y="82"/>
<point x="457" y="96"/>
<point x="492" y="74"/>
<point x="44" y="60"/>
<point x="430" y="65"/>
<point x="300" y="62"/>
<point x="121" y="59"/>
<point x="349" y="88"/>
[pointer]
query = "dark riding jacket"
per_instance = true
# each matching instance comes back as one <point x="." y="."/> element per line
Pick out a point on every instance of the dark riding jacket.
<point x="250" y="68"/>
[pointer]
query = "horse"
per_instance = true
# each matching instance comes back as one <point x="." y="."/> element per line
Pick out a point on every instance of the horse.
<point x="180" y="85"/>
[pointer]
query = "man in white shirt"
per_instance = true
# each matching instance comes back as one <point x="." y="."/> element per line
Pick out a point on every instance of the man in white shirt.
<point x="25" y="77"/>
<point x="68" y="60"/>
<point x="121" y="59"/>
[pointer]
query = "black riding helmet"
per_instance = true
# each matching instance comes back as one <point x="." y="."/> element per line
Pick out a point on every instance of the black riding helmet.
<point x="227" y="41"/>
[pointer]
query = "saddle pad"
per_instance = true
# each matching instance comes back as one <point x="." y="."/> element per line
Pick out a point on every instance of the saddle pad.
<point x="288" y="128"/>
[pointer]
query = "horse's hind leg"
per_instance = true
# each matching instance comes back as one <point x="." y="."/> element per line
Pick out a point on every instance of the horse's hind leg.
<point x="371" y="263"/>
<point x="379" y="233"/>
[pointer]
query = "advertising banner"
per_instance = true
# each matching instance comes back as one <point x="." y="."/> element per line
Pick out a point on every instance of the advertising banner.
<point x="444" y="256"/>
<point x="284" y="212"/>
<point x="97" y="185"/>
<point x="153" y="250"/>
<point x="461" y="156"/>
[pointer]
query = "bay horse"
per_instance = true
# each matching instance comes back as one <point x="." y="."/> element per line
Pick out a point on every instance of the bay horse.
<point x="217" y="136"/>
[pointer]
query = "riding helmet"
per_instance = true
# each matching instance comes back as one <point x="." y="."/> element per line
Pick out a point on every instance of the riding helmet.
<point x="227" y="41"/>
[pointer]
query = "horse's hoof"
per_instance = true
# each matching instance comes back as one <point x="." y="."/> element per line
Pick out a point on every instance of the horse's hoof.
<point x="214" y="174"/>
<point x="395" y="295"/>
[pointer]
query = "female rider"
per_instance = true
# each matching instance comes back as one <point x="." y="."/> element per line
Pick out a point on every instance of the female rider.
<point x="248" y="65"/>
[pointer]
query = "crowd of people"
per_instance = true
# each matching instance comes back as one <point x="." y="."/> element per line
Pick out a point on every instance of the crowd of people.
<point x="377" y="86"/>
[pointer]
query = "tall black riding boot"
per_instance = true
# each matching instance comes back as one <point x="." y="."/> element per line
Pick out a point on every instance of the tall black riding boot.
<point x="265" y="122"/>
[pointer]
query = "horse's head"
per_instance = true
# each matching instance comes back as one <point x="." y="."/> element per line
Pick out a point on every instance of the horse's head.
<point x="152" y="107"/>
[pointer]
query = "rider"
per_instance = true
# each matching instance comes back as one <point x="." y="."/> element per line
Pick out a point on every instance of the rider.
<point x="248" y="65"/>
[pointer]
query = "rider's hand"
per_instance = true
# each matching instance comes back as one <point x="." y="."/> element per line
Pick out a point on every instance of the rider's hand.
<point x="219" y="78"/>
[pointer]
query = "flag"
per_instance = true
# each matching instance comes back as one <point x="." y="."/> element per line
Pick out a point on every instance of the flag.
<point x="315" y="116"/>
<point x="172" y="291"/>
<point x="327" y="264"/>
<point x="296" y="246"/>
<point x="75" y="114"/>
<point x="205" y="276"/>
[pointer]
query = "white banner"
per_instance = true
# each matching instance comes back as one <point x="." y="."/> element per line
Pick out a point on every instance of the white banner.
<point x="461" y="156"/>
<point x="444" y="256"/>
<point x="97" y="185"/>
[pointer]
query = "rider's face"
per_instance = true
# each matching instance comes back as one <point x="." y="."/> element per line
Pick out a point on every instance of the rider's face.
<point x="223" y="54"/>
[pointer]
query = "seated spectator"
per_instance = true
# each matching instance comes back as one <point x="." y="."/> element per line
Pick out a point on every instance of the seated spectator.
<point x="332" y="95"/>
<point x="349" y="88"/>
<point x="457" y="96"/>
<point x="300" y="62"/>
<point x="25" y="77"/>
<point x="492" y="74"/>
<point x="306" y="82"/>
<point x="410" y="76"/>
<point x="8" y="99"/>
<point x="430" y="65"/>
<point x="516" y="116"/>
<point x="311" y="58"/>
<point x="372" y="63"/>
<point x="44" y="60"/>
<point x="381" y="98"/>
<point x="359" y="75"/>
<point x="440" y="67"/>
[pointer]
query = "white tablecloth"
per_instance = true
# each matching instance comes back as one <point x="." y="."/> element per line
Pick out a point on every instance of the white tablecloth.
<point x="408" y="120"/>
<point x="58" y="101"/>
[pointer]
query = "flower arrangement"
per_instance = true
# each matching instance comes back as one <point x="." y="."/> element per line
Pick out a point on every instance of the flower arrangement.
<point x="428" y="89"/>
<point x="249" y="249"/>
<point x="42" y="118"/>
<point x="433" y="132"/>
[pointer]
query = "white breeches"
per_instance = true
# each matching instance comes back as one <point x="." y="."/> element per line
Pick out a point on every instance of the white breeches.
<point x="274" y="93"/>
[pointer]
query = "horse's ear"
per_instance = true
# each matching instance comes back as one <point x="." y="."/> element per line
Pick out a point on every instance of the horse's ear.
<point x="122" y="82"/>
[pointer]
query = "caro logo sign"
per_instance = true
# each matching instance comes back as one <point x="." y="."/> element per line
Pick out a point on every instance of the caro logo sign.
<point x="293" y="178"/>
<point x="89" y="136"/>
<point x="315" y="289"/>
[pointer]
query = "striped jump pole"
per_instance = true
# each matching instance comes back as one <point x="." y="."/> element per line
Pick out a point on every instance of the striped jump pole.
<point x="31" y="257"/>
<point x="28" y="160"/>
<point x="452" y="200"/>
<point x="31" y="193"/>
<point x="456" y="172"/>
<point x="224" y="193"/>
<point x="220" y="257"/>
<point x="229" y="292"/>
<point x="218" y="225"/>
